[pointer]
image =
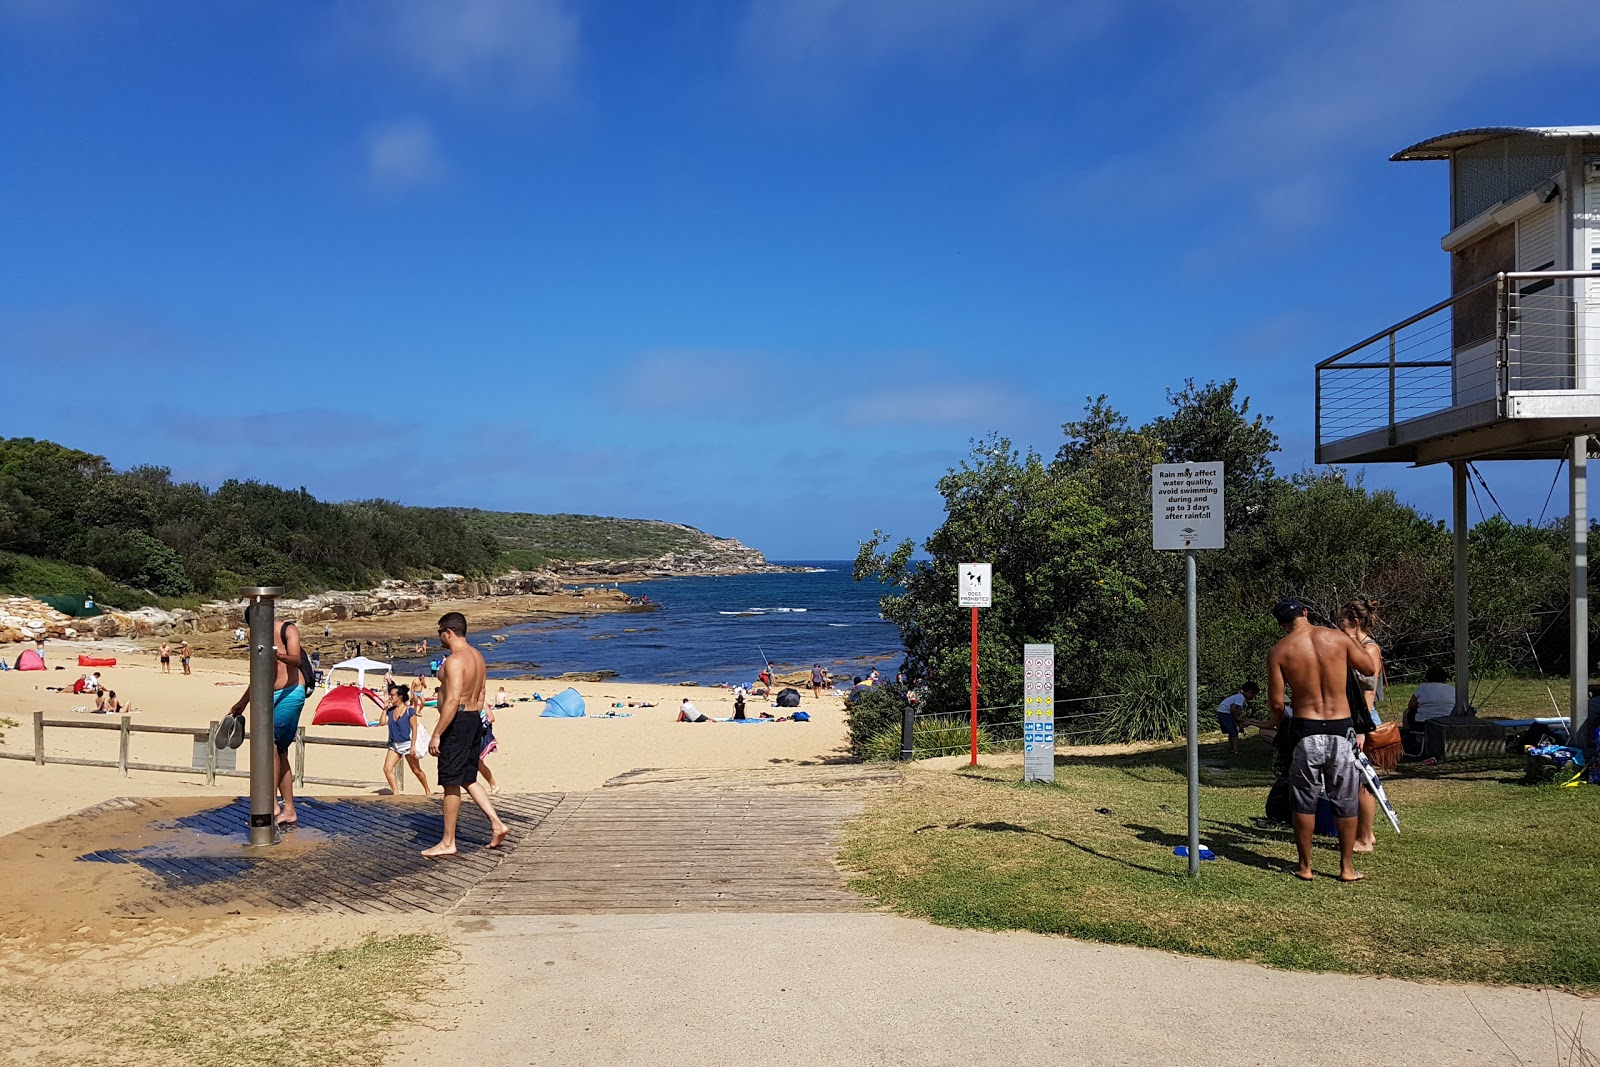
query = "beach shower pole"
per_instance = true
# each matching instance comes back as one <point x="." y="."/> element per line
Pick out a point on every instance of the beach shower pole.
<point x="260" y="605"/>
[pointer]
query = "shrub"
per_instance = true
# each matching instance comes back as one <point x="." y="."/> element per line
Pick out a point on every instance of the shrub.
<point x="1153" y="703"/>
<point x="878" y="709"/>
<point x="932" y="736"/>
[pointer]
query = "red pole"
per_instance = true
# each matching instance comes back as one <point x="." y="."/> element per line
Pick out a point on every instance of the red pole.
<point x="974" y="687"/>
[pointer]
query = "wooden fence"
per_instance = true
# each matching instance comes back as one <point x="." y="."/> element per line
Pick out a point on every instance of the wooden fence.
<point x="126" y="728"/>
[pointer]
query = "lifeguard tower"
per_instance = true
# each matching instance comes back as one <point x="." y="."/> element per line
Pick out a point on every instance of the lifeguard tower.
<point x="1508" y="367"/>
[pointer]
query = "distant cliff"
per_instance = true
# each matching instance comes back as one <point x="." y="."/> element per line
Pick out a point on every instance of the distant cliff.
<point x="595" y="546"/>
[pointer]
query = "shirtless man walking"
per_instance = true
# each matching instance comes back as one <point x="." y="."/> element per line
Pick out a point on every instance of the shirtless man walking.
<point x="1315" y="663"/>
<point x="458" y="737"/>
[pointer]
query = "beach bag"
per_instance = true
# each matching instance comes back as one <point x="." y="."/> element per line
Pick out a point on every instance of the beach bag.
<point x="1383" y="746"/>
<point x="801" y="716"/>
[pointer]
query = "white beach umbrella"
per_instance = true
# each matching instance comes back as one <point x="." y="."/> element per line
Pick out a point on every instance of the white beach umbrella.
<point x="361" y="665"/>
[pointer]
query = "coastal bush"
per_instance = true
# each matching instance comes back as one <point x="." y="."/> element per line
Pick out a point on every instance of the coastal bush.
<point x="933" y="736"/>
<point x="1152" y="705"/>
<point x="876" y="710"/>
<point x="31" y="576"/>
<point x="142" y="531"/>
<point x="1070" y="543"/>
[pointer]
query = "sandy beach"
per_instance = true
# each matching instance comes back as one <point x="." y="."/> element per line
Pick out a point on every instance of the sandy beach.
<point x="535" y="753"/>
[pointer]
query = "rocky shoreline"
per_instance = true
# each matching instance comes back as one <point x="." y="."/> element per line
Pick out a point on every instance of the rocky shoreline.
<point x="23" y="619"/>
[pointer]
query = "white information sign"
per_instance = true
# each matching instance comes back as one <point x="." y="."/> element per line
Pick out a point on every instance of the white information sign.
<point x="976" y="585"/>
<point x="1187" y="505"/>
<point x="1039" y="713"/>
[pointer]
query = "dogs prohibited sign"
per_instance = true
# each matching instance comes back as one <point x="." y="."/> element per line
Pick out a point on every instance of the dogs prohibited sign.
<point x="1039" y="713"/>
<point x="976" y="589"/>
<point x="1187" y="505"/>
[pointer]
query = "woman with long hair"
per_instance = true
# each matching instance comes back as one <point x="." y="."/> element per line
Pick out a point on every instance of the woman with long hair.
<point x="1358" y="619"/>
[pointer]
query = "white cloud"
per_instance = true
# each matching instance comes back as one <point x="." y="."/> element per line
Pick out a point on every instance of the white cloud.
<point x="691" y="378"/>
<point x="516" y="50"/>
<point x="403" y="155"/>
<point x="1291" y="99"/>
<point x="818" y="48"/>
<point x="974" y="405"/>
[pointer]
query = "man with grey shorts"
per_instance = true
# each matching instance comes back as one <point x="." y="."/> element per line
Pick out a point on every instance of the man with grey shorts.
<point x="1314" y="663"/>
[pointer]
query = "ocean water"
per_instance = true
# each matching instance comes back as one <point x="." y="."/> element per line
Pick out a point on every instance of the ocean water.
<point x="713" y="630"/>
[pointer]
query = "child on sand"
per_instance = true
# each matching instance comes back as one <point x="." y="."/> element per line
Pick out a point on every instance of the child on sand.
<point x="403" y="725"/>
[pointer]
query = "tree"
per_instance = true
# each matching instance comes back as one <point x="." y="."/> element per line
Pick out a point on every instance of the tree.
<point x="1056" y="578"/>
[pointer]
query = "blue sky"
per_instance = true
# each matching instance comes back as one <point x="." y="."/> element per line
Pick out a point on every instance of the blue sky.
<point x="764" y="267"/>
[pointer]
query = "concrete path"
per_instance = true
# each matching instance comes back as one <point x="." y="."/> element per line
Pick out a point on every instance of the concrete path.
<point x="868" y="988"/>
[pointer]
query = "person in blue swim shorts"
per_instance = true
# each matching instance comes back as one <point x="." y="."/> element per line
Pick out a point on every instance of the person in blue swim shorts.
<point x="289" y="691"/>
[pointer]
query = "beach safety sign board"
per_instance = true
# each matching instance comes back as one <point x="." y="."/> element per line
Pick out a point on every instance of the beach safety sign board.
<point x="1186" y="510"/>
<point x="976" y="585"/>
<point x="1038" y="713"/>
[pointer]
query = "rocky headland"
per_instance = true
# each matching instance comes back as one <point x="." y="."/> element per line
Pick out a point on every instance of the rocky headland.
<point x="23" y="619"/>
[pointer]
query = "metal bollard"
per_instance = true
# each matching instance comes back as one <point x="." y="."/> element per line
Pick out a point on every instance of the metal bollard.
<point x="908" y="723"/>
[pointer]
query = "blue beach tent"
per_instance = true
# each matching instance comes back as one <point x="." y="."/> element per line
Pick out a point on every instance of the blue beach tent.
<point x="567" y="704"/>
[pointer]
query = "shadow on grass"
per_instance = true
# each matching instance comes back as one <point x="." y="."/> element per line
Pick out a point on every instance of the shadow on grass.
<point x="1230" y="841"/>
<point x="1013" y="828"/>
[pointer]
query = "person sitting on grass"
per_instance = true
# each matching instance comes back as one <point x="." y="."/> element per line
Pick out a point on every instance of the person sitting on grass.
<point x="687" y="712"/>
<point x="1231" y="717"/>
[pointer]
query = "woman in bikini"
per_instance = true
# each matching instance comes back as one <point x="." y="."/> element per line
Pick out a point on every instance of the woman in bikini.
<point x="1359" y="617"/>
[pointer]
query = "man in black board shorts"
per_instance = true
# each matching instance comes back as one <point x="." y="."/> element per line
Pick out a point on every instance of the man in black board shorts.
<point x="458" y="736"/>
<point x="1315" y="662"/>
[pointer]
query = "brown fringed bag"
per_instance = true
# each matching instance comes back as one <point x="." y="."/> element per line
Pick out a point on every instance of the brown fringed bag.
<point x="1383" y="746"/>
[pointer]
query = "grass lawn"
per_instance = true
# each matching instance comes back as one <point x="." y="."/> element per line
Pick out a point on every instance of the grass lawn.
<point x="324" y="1010"/>
<point x="1492" y="881"/>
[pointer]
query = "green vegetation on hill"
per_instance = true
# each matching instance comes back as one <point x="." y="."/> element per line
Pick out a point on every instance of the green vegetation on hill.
<point x="71" y="524"/>
<point x="143" y="531"/>
<point x="572" y="538"/>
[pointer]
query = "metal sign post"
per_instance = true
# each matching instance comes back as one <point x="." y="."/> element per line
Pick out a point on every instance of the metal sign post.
<point x="260" y="607"/>
<point x="975" y="589"/>
<point x="1039" y="713"/>
<point x="1186" y="515"/>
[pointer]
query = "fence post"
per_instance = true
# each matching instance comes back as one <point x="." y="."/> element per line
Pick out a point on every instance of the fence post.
<point x="123" y="734"/>
<point x="300" y="756"/>
<point x="908" y="724"/>
<point x="38" y="738"/>
<point x="211" y="753"/>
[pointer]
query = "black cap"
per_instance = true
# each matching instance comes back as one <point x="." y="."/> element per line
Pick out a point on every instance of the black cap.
<point x="1287" y="610"/>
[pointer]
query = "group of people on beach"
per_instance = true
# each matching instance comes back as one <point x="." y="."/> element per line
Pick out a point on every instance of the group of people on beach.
<point x="164" y="654"/>
<point x="461" y="736"/>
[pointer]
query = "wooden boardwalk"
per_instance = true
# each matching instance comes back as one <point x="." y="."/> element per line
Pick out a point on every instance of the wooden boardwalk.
<point x="361" y="856"/>
<point x="656" y="840"/>
<point x="685" y="841"/>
